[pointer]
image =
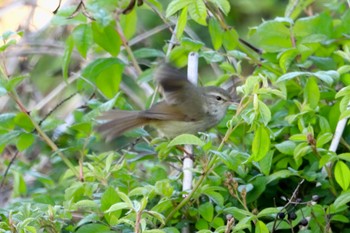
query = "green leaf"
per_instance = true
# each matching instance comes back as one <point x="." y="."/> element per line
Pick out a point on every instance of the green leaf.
<point x="106" y="73"/>
<point x="94" y="228"/>
<point x="312" y="93"/>
<point x="327" y="76"/>
<point x="117" y="206"/>
<point x="82" y="36"/>
<point x="206" y="210"/>
<point x="230" y="39"/>
<point x="266" y="163"/>
<point x="86" y="204"/>
<point x="175" y="6"/>
<point x="186" y="139"/>
<point x="19" y="185"/>
<point x="67" y="57"/>
<point x="212" y="56"/>
<point x="157" y="215"/>
<point x="321" y="24"/>
<point x="107" y="38"/>
<point x="286" y="147"/>
<point x="23" y="120"/>
<point x="268" y="212"/>
<point x="342" y="200"/>
<point x="13" y="82"/>
<point x="261" y="227"/>
<point x="272" y="36"/>
<point x="129" y="24"/>
<point x="25" y="141"/>
<point x="301" y="150"/>
<point x="265" y="113"/>
<point x="223" y="5"/>
<point x="342" y="174"/>
<point x="216" y="33"/>
<point x="181" y="23"/>
<point x="261" y="143"/>
<point x="345" y="91"/>
<point x="286" y="58"/>
<point x="148" y="52"/>
<point x="323" y="139"/>
<point x="198" y="12"/>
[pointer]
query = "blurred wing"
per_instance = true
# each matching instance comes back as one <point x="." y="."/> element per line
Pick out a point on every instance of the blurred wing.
<point x="179" y="92"/>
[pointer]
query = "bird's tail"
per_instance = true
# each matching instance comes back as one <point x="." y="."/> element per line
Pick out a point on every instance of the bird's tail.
<point x="116" y="122"/>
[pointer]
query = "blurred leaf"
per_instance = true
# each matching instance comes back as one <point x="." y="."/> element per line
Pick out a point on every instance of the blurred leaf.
<point x="272" y="36"/>
<point x="22" y="120"/>
<point x="106" y="73"/>
<point x="24" y="141"/>
<point x="129" y="24"/>
<point x="230" y="39"/>
<point x="175" y="6"/>
<point x="148" y="52"/>
<point x="19" y="185"/>
<point x="186" y="139"/>
<point x="107" y="38"/>
<point x="223" y="5"/>
<point x="94" y="228"/>
<point x="82" y="36"/>
<point x="67" y="57"/>
<point x="206" y="210"/>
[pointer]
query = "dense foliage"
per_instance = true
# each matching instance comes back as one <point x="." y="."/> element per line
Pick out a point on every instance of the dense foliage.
<point x="267" y="167"/>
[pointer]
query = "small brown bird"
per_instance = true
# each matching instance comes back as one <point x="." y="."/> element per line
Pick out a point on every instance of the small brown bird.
<point x="185" y="109"/>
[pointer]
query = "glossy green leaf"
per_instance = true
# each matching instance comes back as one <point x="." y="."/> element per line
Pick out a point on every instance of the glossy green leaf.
<point x="342" y="200"/>
<point x="286" y="147"/>
<point x="181" y="23"/>
<point x="342" y="174"/>
<point x="261" y="227"/>
<point x="175" y="6"/>
<point x="186" y="139"/>
<point x="261" y="143"/>
<point x="198" y="12"/>
<point x="117" y="206"/>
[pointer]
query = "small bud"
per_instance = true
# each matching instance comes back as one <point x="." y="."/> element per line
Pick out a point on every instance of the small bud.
<point x="292" y="216"/>
<point x="304" y="222"/>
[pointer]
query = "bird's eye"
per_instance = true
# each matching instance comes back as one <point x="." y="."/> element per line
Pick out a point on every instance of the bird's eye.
<point x="218" y="98"/>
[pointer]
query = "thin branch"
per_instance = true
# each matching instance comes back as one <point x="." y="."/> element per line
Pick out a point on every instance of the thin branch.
<point x="8" y="169"/>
